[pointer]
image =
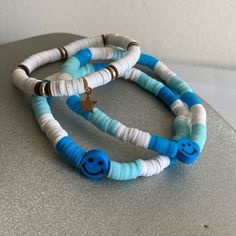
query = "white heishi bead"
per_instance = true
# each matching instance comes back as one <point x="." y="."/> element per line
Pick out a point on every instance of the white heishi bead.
<point x="52" y="128"/>
<point x="178" y="107"/>
<point x="132" y="74"/>
<point x="133" y="135"/>
<point x="96" y="79"/>
<point x="42" y="58"/>
<point x="70" y="87"/>
<point x="23" y="82"/>
<point x="154" y="166"/>
<point x="64" y="76"/>
<point x="198" y="114"/>
<point x="53" y="76"/>
<point x="118" y="40"/>
<point x="185" y="116"/>
<point x="128" y="60"/>
<point x="163" y="72"/>
<point x="58" y="76"/>
<point x="103" y="53"/>
<point x="80" y="44"/>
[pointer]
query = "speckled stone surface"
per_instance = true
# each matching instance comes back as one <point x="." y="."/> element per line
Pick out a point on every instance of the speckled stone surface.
<point x="42" y="194"/>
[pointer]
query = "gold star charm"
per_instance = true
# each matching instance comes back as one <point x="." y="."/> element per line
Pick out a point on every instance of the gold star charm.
<point x="87" y="104"/>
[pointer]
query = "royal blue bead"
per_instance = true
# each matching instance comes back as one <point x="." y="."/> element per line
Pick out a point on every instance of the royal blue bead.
<point x="98" y="67"/>
<point x="188" y="151"/>
<point x="147" y="60"/>
<point x="95" y="164"/>
<point x="163" y="146"/>
<point x="83" y="56"/>
<point x="190" y="99"/>
<point x="167" y="96"/>
<point x="72" y="152"/>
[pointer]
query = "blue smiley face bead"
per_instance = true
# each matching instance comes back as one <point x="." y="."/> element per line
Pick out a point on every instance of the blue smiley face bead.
<point x="188" y="151"/>
<point x="95" y="164"/>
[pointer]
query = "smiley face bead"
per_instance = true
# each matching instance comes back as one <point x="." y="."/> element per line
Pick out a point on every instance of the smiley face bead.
<point x="95" y="164"/>
<point x="188" y="151"/>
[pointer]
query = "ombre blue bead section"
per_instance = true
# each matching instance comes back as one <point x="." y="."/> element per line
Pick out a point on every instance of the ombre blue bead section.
<point x="125" y="171"/>
<point x="190" y="99"/>
<point x="147" y="60"/>
<point x="83" y="56"/>
<point x="167" y="96"/>
<point x="72" y="152"/>
<point x="40" y="105"/>
<point x="163" y="146"/>
<point x="103" y="122"/>
<point x="95" y="164"/>
<point x="97" y="67"/>
<point x="74" y="104"/>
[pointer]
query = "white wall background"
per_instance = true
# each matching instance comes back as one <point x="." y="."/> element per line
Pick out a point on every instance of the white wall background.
<point x="191" y="31"/>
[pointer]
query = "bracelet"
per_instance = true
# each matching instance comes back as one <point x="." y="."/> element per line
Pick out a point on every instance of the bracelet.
<point x="182" y="124"/>
<point x="65" y="87"/>
<point x="133" y="135"/>
<point x="59" y="137"/>
<point x="89" y="168"/>
<point x="95" y="163"/>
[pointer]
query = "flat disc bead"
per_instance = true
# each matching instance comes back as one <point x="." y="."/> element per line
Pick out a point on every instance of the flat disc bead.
<point x="95" y="164"/>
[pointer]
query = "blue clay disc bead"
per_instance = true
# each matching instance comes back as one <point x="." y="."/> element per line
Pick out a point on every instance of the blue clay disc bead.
<point x="95" y="164"/>
<point x="188" y="151"/>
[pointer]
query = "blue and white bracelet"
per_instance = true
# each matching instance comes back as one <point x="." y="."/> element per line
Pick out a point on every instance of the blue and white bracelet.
<point x="20" y="74"/>
<point x="191" y="115"/>
<point x="95" y="163"/>
<point x="123" y="171"/>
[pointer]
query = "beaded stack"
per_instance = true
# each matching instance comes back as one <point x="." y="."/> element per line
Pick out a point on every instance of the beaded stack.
<point x="78" y="76"/>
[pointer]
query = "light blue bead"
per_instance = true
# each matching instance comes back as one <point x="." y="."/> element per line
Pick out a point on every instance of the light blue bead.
<point x="117" y="54"/>
<point x="149" y="84"/>
<point x="83" y="71"/>
<point x="198" y="135"/>
<point x="40" y="105"/>
<point x="125" y="171"/>
<point x="103" y="122"/>
<point x="178" y="86"/>
<point x="70" y="66"/>
<point x="181" y="129"/>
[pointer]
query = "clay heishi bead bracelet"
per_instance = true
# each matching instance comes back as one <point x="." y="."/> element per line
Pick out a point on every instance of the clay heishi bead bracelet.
<point x="115" y="128"/>
<point x="184" y="150"/>
<point x="189" y="124"/>
<point x="65" y="87"/>
<point x="95" y="163"/>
